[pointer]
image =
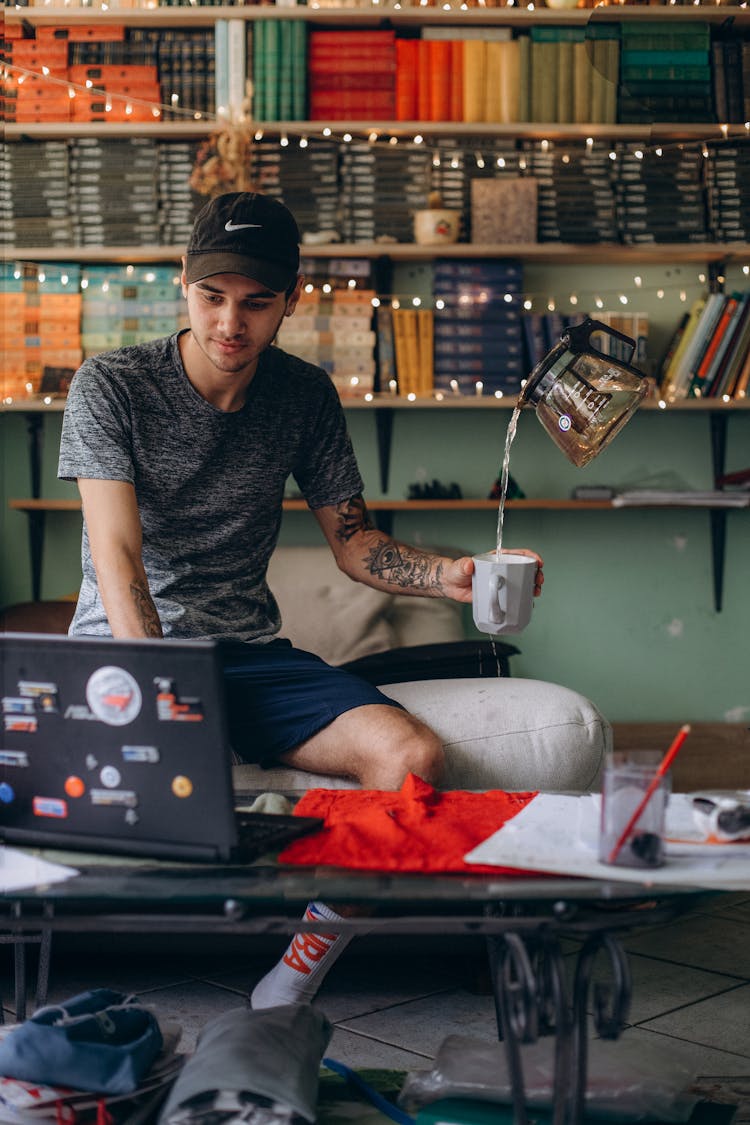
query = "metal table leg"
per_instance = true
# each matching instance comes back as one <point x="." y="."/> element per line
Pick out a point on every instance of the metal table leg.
<point x="532" y="1000"/>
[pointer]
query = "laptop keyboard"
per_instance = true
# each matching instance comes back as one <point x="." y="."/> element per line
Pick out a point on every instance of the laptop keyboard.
<point x="260" y="833"/>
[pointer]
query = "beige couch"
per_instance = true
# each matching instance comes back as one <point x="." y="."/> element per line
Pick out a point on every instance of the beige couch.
<point x="498" y="732"/>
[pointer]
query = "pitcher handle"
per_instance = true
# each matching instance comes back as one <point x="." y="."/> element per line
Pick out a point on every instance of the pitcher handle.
<point x="579" y="338"/>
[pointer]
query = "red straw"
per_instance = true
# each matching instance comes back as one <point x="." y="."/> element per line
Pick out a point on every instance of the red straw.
<point x="664" y="765"/>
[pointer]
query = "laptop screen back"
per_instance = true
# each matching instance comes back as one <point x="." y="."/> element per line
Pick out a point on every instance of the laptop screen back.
<point x="115" y="745"/>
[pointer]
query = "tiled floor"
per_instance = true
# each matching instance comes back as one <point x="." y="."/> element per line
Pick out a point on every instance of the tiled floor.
<point x="391" y="1005"/>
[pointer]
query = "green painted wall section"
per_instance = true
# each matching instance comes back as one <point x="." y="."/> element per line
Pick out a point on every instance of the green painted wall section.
<point x="627" y="613"/>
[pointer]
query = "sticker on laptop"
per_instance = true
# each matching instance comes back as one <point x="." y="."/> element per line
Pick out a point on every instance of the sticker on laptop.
<point x="170" y="708"/>
<point x="113" y="696"/>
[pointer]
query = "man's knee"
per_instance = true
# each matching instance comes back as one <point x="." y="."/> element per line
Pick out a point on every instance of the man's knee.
<point x="420" y="752"/>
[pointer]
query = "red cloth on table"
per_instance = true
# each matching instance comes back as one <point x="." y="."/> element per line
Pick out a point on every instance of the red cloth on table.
<point x="416" y="829"/>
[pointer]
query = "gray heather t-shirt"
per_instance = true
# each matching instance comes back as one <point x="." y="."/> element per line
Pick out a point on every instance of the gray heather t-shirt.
<point x="209" y="484"/>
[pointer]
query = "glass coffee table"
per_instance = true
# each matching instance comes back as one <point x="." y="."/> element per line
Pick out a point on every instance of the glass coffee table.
<point x="524" y="920"/>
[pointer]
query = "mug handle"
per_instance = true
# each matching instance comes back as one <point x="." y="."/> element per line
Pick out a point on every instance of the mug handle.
<point x="497" y="604"/>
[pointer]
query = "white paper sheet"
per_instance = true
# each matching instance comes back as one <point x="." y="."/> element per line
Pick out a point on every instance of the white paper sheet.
<point x="559" y="834"/>
<point x="19" y="870"/>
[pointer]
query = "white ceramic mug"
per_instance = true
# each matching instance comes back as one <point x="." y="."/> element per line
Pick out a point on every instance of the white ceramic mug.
<point x="503" y="591"/>
<point x="436" y="226"/>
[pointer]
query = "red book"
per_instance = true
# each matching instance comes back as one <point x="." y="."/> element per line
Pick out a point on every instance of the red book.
<point x="406" y="79"/>
<point x="350" y="81"/>
<point x="339" y="38"/>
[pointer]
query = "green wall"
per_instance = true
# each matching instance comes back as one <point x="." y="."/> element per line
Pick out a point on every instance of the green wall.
<point x="627" y="613"/>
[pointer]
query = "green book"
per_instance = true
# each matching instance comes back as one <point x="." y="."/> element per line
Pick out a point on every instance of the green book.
<point x="524" y="80"/>
<point x="581" y="83"/>
<point x="285" y="64"/>
<point x="557" y="34"/>
<point x="663" y="58"/>
<point x="259" y="70"/>
<point x="299" y="53"/>
<point x="565" y="86"/>
<point x="271" y="60"/>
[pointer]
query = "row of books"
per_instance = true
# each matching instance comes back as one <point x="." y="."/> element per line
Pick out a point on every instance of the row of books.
<point x="109" y="73"/>
<point x="606" y="72"/>
<point x="53" y="316"/>
<point x="136" y="191"/>
<point x="334" y="330"/>
<point x="97" y="192"/>
<point x="709" y="353"/>
<point x="543" y="331"/>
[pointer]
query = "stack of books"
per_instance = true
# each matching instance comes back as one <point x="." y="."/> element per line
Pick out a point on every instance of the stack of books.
<point x="114" y="199"/>
<point x="351" y="75"/>
<point x="730" y="56"/>
<point x="709" y="354"/>
<point x="305" y="179"/>
<point x="573" y="73"/>
<point x="665" y="72"/>
<point x="129" y="305"/>
<point x="128" y="93"/>
<point x="334" y="330"/>
<point x="575" y="198"/>
<point x="278" y="51"/>
<point x="33" y="97"/>
<point x="478" y="329"/>
<point x="178" y="203"/>
<point x="381" y="188"/>
<point x="187" y="70"/>
<point x="457" y="163"/>
<point x="34" y="201"/>
<point x="660" y="198"/>
<point x="728" y="182"/>
<point x="41" y="310"/>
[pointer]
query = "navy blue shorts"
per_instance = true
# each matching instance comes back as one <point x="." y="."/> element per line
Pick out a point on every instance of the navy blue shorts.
<point x="279" y="696"/>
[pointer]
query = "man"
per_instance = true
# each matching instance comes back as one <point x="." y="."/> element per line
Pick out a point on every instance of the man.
<point x="181" y="449"/>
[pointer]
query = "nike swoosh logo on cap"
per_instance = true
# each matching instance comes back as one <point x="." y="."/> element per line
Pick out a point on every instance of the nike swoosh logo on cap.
<point x="230" y="226"/>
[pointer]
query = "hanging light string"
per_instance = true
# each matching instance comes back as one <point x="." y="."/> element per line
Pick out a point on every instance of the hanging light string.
<point x="725" y="132"/>
<point x="90" y="90"/>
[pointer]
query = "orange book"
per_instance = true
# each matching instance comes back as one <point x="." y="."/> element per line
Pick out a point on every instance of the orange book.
<point x="708" y="356"/>
<point x="457" y="80"/>
<point x="83" y="33"/>
<point x="743" y="379"/>
<point x="406" y="79"/>
<point x="440" y="53"/>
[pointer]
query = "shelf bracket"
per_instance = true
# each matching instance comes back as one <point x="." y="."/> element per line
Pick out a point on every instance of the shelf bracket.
<point x="384" y="428"/>
<point x="34" y="426"/>
<point x="718" y="516"/>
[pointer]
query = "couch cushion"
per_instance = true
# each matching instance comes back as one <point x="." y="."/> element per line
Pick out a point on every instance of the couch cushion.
<point x="498" y="734"/>
<point x="324" y="611"/>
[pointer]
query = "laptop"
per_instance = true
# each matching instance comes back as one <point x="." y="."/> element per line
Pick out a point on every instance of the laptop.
<point x="121" y="746"/>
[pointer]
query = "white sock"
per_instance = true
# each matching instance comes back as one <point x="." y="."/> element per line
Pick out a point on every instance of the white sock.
<point x="300" y="972"/>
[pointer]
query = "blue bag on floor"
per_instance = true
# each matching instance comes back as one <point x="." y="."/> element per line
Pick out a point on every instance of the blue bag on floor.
<point x="99" y="1041"/>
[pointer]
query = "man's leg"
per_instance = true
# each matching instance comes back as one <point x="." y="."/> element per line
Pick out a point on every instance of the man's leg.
<point x="377" y="746"/>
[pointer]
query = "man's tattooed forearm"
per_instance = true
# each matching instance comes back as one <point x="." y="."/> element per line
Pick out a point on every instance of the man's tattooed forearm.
<point x="402" y="566"/>
<point x="146" y="609"/>
<point x="353" y="517"/>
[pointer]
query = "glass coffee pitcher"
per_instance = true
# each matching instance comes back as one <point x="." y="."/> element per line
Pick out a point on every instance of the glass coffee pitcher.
<point x="583" y="397"/>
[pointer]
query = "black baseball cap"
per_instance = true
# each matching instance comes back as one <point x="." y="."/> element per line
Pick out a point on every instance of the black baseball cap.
<point x="247" y="233"/>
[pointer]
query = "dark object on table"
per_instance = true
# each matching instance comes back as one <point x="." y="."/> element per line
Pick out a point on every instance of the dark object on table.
<point x="515" y="492"/>
<point x="434" y="491"/>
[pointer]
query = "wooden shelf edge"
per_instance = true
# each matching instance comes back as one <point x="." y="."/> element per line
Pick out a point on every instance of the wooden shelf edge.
<point x="531" y="130"/>
<point x="37" y="404"/>
<point x="386" y="13"/>
<point x="599" y="253"/>
<point x="539" y="504"/>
